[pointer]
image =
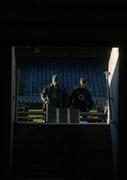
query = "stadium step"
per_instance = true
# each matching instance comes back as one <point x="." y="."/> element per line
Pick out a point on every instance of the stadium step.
<point x="30" y="115"/>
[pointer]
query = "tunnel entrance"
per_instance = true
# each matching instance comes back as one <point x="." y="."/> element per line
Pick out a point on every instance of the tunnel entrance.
<point x="34" y="67"/>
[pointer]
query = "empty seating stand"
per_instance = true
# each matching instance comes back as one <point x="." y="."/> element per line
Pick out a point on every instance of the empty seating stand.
<point x="35" y="74"/>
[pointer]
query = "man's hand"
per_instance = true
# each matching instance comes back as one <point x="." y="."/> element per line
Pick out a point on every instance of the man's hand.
<point x="46" y="101"/>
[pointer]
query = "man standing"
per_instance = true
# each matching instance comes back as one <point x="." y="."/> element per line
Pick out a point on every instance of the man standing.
<point x="81" y="97"/>
<point x="54" y="95"/>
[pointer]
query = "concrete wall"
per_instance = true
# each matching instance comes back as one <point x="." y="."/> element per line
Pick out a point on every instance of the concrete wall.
<point x="75" y="151"/>
<point x="113" y="80"/>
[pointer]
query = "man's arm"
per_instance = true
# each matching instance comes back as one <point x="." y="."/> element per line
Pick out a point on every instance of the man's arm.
<point x="44" y="95"/>
<point x="73" y="98"/>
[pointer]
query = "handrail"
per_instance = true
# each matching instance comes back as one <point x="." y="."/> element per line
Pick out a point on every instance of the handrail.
<point x="30" y="113"/>
<point x="17" y="91"/>
<point x="108" y="93"/>
<point x="92" y="113"/>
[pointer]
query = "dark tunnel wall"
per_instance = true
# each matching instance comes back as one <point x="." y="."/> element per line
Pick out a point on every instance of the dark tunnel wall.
<point x="52" y="22"/>
<point x="62" y="151"/>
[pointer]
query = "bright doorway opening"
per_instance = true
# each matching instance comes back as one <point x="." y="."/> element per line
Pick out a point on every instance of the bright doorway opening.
<point x="33" y="67"/>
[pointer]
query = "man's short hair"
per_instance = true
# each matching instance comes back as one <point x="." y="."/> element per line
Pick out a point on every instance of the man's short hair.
<point x="55" y="77"/>
<point x="83" y="79"/>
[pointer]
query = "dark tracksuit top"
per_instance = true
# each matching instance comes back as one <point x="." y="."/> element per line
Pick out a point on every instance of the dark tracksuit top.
<point x="81" y="99"/>
<point x="56" y="96"/>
